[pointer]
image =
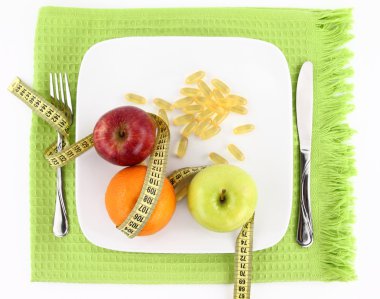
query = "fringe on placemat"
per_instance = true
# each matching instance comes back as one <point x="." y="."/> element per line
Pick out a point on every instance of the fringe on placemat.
<point x="335" y="93"/>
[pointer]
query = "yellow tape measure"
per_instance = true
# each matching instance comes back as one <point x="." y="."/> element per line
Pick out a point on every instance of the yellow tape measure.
<point x="181" y="174"/>
<point x="243" y="261"/>
<point x="153" y="180"/>
<point x="68" y="152"/>
<point x="40" y="106"/>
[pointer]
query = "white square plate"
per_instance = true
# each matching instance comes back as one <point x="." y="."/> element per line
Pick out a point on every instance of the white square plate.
<point x="156" y="67"/>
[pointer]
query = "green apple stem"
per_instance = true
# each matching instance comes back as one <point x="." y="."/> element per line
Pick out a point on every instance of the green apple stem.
<point x="222" y="197"/>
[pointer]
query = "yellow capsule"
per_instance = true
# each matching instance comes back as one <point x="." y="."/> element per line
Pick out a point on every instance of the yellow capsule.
<point x="236" y="152"/>
<point x="205" y="90"/>
<point x="135" y="98"/>
<point x="182" y="193"/>
<point x="183" y="119"/>
<point x="201" y="126"/>
<point x="163" y="115"/>
<point x="216" y="93"/>
<point x="189" y="91"/>
<point x="200" y="100"/>
<point x="220" y="85"/>
<point x="219" y="118"/>
<point x="244" y="129"/>
<point x="217" y="159"/>
<point x="210" y="132"/>
<point x="239" y="109"/>
<point x="238" y="100"/>
<point x="213" y="106"/>
<point x="210" y="103"/>
<point x="195" y="77"/>
<point x="182" y="146"/>
<point x="205" y="113"/>
<point x="183" y="102"/>
<point x="220" y="110"/>
<point x="192" y="109"/>
<point x="161" y="103"/>
<point x="227" y="102"/>
<point x="190" y="127"/>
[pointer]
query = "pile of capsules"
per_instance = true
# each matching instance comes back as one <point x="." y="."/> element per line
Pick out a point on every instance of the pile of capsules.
<point x="204" y="109"/>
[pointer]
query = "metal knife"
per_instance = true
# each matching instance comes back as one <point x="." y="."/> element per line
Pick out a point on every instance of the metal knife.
<point x="304" y="108"/>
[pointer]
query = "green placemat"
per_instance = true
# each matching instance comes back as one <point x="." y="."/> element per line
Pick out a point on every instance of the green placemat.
<point x="62" y="37"/>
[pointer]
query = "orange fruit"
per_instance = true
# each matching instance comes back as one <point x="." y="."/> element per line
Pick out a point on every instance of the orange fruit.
<point x="122" y="194"/>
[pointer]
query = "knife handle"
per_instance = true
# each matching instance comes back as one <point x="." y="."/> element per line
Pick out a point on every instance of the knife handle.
<point x="305" y="224"/>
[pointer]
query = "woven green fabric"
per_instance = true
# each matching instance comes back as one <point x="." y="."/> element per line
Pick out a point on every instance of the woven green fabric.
<point x="62" y="37"/>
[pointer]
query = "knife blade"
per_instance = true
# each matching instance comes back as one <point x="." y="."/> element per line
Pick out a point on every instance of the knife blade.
<point x="304" y="111"/>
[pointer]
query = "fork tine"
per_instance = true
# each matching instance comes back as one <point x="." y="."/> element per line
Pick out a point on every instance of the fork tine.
<point x="56" y="90"/>
<point x="56" y="87"/>
<point x="68" y="96"/>
<point x="51" y="85"/>
<point x="61" y="88"/>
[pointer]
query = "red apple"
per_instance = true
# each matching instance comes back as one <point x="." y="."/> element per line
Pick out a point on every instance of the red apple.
<point x="124" y="136"/>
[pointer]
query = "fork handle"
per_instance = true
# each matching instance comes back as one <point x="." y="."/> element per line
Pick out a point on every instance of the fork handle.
<point x="305" y="224"/>
<point x="60" y="223"/>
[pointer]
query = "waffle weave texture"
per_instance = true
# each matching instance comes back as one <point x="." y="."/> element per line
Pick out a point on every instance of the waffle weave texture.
<point x="63" y="35"/>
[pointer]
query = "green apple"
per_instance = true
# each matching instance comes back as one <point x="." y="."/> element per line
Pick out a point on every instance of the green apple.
<point x="222" y="197"/>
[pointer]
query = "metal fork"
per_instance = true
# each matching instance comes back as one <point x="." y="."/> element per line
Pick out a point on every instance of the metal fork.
<point x="60" y="92"/>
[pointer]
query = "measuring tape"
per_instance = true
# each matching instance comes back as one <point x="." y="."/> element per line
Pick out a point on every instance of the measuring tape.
<point x="68" y="152"/>
<point x="243" y="261"/>
<point x="44" y="109"/>
<point x="153" y="180"/>
<point x="181" y="174"/>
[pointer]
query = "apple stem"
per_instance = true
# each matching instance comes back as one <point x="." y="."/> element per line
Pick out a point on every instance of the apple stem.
<point x="121" y="134"/>
<point x="222" y="197"/>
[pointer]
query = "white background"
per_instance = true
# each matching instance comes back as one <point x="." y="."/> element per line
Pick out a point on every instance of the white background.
<point x="17" y="25"/>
